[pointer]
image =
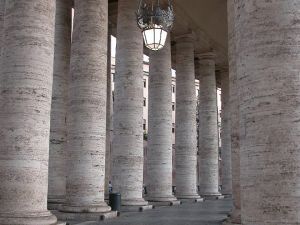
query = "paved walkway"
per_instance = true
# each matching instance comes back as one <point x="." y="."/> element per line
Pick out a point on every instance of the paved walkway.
<point x="206" y="213"/>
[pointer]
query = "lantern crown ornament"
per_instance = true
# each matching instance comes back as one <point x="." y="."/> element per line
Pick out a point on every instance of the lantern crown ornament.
<point x="155" y="20"/>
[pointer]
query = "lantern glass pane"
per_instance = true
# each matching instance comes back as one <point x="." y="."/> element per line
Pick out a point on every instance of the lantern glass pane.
<point x="149" y="37"/>
<point x="155" y="38"/>
<point x="164" y="35"/>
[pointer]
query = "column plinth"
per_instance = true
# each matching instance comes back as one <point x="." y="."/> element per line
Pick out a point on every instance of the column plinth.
<point x="26" y="90"/>
<point x="185" y="133"/>
<point x="208" y="128"/>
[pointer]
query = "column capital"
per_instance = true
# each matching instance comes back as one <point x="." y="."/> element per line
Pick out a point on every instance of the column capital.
<point x="206" y="55"/>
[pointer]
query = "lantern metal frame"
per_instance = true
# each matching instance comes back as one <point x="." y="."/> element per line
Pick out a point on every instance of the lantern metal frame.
<point x="152" y="16"/>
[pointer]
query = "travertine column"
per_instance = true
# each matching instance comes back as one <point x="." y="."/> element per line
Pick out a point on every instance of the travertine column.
<point x="159" y="157"/>
<point x="208" y="127"/>
<point x="58" y="128"/>
<point x="25" y="103"/>
<point x="108" y="120"/>
<point x="2" y="11"/>
<point x="269" y="88"/>
<point x="235" y="217"/>
<point x="127" y="152"/>
<point x="225" y="134"/>
<point x="87" y="109"/>
<point x="185" y="133"/>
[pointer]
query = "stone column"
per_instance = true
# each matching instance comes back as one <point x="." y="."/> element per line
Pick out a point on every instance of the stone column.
<point x="108" y="120"/>
<point x="87" y="109"/>
<point x="208" y="127"/>
<point x="235" y="217"/>
<point x="185" y="133"/>
<point x="159" y="157"/>
<point x="2" y="11"/>
<point x="225" y="135"/>
<point x="25" y="103"/>
<point x="58" y="127"/>
<point x="127" y="152"/>
<point x="269" y="89"/>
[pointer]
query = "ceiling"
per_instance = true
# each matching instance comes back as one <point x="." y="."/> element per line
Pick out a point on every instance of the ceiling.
<point x="207" y="19"/>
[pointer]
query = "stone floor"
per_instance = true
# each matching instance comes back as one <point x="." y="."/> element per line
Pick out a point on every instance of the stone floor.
<point x="211" y="212"/>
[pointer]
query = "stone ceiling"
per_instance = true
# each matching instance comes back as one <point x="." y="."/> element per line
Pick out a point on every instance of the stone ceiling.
<point x="207" y="19"/>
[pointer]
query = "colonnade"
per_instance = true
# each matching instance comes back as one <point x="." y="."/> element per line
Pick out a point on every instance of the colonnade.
<point x="54" y="121"/>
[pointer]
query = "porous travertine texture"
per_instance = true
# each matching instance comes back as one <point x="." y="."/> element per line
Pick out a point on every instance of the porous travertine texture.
<point x="208" y="127"/>
<point x="25" y="103"/>
<point x="268" y="36"/>
<point x="234" y="114"/>
<point x="127" y="152"/>
<point x="225" y="135"/>
<point x="2" y="11"/>
<point x="108" y="120"/>
<point x="87" y="109"/>
<point x="185" y="133"/>
<point x="159" y="154"/>
<point x="58" y="127"/>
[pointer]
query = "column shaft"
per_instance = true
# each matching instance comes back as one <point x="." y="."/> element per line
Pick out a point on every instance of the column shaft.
<point x="108" y="120"/>
<point x="25" y="103"/>
<point x="225" y="135"/>
<point x="2" y="11"/>
<point x="159" y="155"/>
<point x="128" y="160"/>
<point x="208" y="127"/>
<point x="87" y="109"/>
<point x="269" y="88"/>
<point x="234" y="114"/>
<point x="185" y="133"/>
<point x="58" y="127"/>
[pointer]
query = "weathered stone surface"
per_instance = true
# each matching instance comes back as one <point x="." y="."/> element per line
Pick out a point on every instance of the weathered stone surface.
<point x="109" y="103"/>
<point x="268" y="36"/>
<point x="186" y="133"/>
<point x="225" y="135"/>
<point x="87" y="109"/>
<point x="58" y="127"/>
<point x="234" y="115"/>
<point x="159" y="154"/>
<point x="2" y="11"/>
<point x="26" y="88"/>
<point x="127" y="152"/>
<point x="208" y="127"/>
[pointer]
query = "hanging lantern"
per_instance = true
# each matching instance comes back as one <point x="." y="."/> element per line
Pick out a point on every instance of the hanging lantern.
<point x="155" y="21"/>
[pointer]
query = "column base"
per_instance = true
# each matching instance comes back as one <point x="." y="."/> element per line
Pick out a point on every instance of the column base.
<point x="136" y="208"/>
<point x="45" y="218"/>
<point x="55" y="202"/>
<point x="83" y="217"/>
<point x="101" y="208"/>
<point x="215" y="196"/>
<point x="227" y="195"/>
<point x="186" y="198"/>
<point x="134" y="202"/>
<point x="163" y="201"/>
